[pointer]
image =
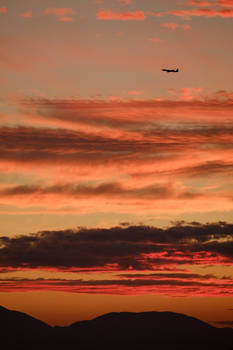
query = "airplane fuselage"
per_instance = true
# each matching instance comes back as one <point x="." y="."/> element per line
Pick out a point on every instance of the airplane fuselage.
<point x="171" y="70"/>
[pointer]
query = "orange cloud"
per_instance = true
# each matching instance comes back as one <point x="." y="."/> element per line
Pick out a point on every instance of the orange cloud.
<point x="149" y="173"/>
<point x="3" y="9"/>
<point x="123" y="114"/>
<point x="143" y="199"/>
<point x="120" y="16"/>
<point x="139" y="150"/>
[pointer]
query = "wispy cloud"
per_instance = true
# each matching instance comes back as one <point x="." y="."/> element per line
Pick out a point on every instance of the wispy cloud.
<point x="140" y="150"/>
<point x="169" y="287"/>
<point x="173" y="25"/>
<point x="200" y="12"/>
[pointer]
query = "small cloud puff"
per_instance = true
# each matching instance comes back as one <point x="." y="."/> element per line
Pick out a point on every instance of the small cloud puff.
<point x="173" y="26"/>
<point x="27" y="14"/>
<point x="120" y="16"/>
<point x="63" y="14"/>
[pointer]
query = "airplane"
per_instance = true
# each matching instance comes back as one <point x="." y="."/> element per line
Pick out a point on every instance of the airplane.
<point x="171" y="70"/>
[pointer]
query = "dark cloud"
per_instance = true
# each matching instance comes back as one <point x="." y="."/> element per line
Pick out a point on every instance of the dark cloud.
<point x="115" y="282"/>
<point x="121" y="248"/>
<point x="107" y="190"/>
<point x="112" y="189"/>
<point x="61" y="140"/>
<point x="30" y="145"/>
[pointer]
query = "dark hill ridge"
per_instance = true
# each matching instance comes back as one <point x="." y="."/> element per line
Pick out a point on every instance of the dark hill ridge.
<point x="11" y="317"/>
<point x="143" y="318"/>
<point x="125" y="330"/>
<point x="155" y="330"/>
<point x="20" y="330"/>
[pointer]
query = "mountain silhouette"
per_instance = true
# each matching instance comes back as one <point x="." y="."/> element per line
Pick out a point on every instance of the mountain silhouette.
<point x="123" y="330"/>
<point x="19" y="330"/>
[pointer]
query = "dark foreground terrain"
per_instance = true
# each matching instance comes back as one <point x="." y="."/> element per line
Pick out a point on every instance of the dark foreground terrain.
<point x="124" y="330"/>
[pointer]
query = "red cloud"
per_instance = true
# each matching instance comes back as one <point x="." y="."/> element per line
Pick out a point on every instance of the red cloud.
<point x="120" y="16"/>
<point x="174" y="287"/>
<point x="149" y="262"/>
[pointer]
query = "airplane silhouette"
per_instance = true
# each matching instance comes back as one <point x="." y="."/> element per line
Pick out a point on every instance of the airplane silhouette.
<point x="171" y="70"/>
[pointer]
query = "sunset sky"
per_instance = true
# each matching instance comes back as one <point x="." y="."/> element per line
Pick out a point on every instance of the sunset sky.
<point x="116" y="178"/>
